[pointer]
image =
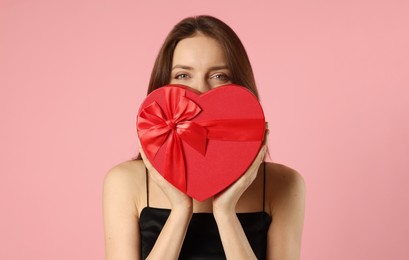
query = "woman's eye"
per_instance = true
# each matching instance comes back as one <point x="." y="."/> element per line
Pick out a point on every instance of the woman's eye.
<point x="181" y="76"/>
<point x="221" y="77"/>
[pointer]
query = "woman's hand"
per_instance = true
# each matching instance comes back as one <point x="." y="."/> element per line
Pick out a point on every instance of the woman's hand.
<point x="172" y="235"/>
<point x="225" y="202"/>
<point x="232" y="235"/>
<point x="177" y="199"/>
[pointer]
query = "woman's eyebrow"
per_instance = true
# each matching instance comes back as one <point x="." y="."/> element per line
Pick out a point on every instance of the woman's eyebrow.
<point x="182" y="67"/>
<point x="218" y="67"/>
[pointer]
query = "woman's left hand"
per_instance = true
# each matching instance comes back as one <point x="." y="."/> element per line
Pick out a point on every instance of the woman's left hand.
<point x="225" y="202"/>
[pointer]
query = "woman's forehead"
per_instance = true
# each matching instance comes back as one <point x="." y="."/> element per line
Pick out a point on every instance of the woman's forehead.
<point x="198" y="51"/>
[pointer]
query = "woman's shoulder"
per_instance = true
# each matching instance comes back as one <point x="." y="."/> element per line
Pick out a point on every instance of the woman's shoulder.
<point x="284" y="184"/>
<point x="283" y="174"/>
<point x="126" y="179"/>
<point x="129" y="170"/>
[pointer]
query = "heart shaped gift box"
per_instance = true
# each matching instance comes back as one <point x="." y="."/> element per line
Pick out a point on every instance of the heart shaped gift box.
<point x="201" y="142"/>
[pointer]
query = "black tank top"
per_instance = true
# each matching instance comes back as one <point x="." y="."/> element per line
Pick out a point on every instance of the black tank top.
<point x="202" y="240"/>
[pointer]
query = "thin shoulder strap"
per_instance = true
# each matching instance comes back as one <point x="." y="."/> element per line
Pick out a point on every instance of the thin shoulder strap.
<point x="264" y="185"/>
<point x="147" y="187"/>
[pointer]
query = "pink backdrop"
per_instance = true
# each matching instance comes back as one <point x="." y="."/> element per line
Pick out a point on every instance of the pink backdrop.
<point x="333" y="77"/>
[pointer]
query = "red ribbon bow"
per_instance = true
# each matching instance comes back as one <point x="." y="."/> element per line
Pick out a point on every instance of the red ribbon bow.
<point x="157" y="127"/>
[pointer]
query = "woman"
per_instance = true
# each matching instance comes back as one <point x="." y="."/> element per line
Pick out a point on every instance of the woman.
<point x="258" y="216"/>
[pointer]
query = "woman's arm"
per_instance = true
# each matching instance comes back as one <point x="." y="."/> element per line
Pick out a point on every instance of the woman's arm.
<point x="287" y="208"/>
<point x="172" y="235"/>
<point x="120" y="215"/>
<point x="123" y="185"/>
<point x="234" y="240"/>
<point x="170" y="240"/>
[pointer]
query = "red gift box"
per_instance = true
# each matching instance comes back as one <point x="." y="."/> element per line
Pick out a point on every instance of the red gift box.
<point x="201" y="142"/>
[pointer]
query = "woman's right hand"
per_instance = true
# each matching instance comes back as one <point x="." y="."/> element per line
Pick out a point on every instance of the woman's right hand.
<point x="177" y="199"/>
<point x="172" y="235"/>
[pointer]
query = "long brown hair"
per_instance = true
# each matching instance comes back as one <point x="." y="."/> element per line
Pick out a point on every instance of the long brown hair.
<point x="236" y="56"/>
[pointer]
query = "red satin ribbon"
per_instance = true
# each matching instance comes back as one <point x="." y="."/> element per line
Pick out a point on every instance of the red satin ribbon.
<point x="157" y="127"/>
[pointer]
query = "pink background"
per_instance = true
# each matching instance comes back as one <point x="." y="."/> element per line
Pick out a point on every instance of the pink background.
<point x="333" y="77"/>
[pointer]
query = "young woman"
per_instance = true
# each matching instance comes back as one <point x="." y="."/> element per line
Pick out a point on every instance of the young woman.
<point x="260" y="216"/>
